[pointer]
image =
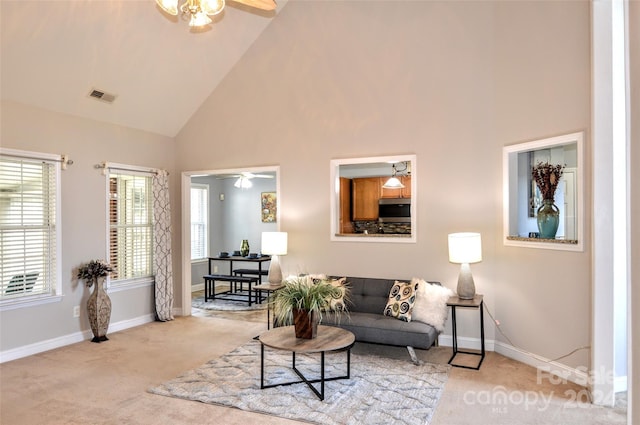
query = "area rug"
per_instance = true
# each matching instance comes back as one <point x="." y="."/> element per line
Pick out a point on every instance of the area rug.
<point x="380" y="391"/>
<point x="226" y="305"/>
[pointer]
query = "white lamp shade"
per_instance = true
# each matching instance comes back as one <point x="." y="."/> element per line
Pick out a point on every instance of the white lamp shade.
<point x="393" y="183"/>
<point x="465" y="248"/>
<point x="274" y="243"/>
<point x="199" y="19"/>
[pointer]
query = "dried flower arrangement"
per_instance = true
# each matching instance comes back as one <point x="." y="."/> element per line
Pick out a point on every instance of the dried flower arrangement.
<point x="547" y="177"/>
<point x="94" y="269"/>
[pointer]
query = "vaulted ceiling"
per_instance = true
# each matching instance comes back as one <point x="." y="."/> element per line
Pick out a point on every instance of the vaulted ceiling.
<point x="54" y="53"/>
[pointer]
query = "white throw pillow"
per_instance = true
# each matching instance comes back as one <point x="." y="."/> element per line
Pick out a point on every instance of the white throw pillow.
<point x="431" y="304"/>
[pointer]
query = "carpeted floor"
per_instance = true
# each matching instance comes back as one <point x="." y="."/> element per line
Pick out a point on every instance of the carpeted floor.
<point x="106" y="384"/>
<point x="380" y="390"/>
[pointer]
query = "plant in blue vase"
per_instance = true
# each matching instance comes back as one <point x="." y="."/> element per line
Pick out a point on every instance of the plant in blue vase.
<point x="547" y="176"/>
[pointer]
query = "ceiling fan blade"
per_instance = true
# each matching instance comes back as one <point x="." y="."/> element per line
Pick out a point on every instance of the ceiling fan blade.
<point x="263" y="176"/>
<point x="259" y="4"/>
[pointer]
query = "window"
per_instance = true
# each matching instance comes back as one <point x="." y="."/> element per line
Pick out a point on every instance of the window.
<point x="130" y="226"/>
<point x="521" y="197"/>
<point x="199" y="221"/>
<point x="29" y="235"/>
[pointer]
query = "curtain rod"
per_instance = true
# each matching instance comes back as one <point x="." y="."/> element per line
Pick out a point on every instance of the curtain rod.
<point x="122" y="167"/>
<point x="64" y="159"/>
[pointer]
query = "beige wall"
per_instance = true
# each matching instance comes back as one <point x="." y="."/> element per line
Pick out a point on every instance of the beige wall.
<point x="452" y="82"/>
<point x="83" y="218"/>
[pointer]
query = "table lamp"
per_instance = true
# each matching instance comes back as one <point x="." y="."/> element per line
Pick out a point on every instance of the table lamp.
<point x="274" y="244"/>
<point x="465" y="248"/>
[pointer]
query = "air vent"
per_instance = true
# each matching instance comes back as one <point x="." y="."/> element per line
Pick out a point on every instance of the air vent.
<point x="102" y="96"/>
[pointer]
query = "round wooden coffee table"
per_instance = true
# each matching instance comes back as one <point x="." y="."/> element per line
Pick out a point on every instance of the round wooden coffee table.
<point x="329" y="338"/>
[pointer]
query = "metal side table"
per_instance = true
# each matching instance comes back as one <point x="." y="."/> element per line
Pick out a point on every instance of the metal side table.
<point x="476" y="302"/>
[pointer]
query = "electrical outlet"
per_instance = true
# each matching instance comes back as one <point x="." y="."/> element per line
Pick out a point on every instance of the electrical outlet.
<point x="215" y="269"/>
<point x="76" y="311"/>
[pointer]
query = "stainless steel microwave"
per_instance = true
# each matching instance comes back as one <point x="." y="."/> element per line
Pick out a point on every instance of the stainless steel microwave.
<point x="394" y="210"/>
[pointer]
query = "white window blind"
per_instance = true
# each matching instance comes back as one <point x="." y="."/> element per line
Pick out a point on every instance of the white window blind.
<point x="27" y="227"/>
<point x="199" y="221"/>
<point x="130" y="226"/>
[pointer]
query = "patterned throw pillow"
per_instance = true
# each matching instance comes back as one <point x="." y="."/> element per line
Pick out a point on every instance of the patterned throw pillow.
<point x="401" y="299"/>
<point x="337" y="303"/>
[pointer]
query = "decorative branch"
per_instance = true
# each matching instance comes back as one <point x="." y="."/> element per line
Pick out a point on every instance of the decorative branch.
<point x="547" y="177"/>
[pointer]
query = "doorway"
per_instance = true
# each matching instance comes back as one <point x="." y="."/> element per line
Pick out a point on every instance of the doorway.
<point x="234" y="212"/>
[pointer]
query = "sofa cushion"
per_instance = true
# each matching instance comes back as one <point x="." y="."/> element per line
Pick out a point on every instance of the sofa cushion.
<point x="401" y="298"/>
<point x="368" y="295"/>
<point x="378" y="329"/>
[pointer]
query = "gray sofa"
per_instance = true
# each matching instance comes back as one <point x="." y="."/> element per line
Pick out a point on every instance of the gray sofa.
<point x="368" y="298"/>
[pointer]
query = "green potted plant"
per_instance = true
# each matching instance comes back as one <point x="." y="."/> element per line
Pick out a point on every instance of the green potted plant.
<point x="302" y="300"/>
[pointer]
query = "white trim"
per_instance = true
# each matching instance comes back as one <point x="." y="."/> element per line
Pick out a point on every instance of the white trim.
<point x="42" y="346"/>
<point x="565" y="139"/>
<point x="26" y="302"/>
<point x="466" y="343"/>
<point x="186" y="221"/>
<point x="30" y="154"/>
<point x="125" y="285"/>
<point x="577" y="376"/>
<point x="334" y="192"/>
<point x="186" y="244"/>
<point x="197" y="287"/>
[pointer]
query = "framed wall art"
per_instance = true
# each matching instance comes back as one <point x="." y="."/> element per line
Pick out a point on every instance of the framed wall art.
<point x="268" y="207"/>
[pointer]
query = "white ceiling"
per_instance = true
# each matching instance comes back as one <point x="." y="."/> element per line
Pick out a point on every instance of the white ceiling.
<point x="53" y="53"/>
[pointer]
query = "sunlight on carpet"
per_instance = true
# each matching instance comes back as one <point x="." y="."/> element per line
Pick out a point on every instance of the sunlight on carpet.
<point x="226" y="305"/>
<point x="380" y="391"/>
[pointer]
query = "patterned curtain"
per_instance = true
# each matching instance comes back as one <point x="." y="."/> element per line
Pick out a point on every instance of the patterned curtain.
<point x="162" y="246"/>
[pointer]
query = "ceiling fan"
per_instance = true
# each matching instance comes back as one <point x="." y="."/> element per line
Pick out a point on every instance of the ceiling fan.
<point x="244" y="178"/>
<point x="200" y="10"/>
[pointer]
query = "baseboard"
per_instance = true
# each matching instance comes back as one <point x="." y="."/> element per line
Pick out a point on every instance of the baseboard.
<point x="50" y="344"/>
<point x="543" y="365"/>
<point x="197" y="287"/>
<point x="466" y="343"/>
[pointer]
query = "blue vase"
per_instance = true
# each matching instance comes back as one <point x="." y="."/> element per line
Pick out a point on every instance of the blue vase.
<point x="548" y="219"/>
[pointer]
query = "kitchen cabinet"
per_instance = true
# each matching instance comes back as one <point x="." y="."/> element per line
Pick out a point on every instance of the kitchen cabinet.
<point x="403" y="192"/>
<point x="346" y="225"/>
<point x="365" y="194"/>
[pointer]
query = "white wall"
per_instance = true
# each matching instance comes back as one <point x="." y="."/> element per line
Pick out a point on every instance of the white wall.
<point x="452" y="82"/>
<point x="83" y="221"/>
